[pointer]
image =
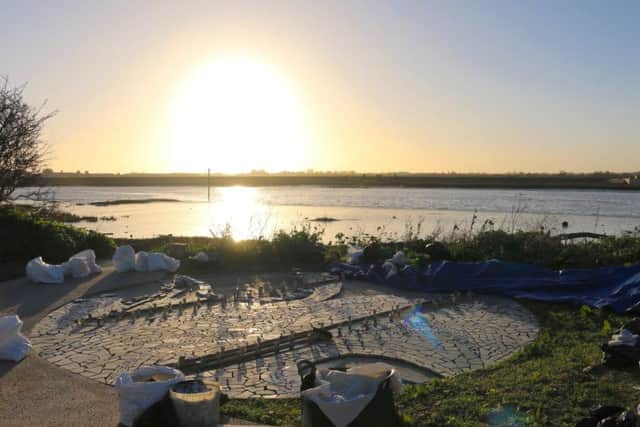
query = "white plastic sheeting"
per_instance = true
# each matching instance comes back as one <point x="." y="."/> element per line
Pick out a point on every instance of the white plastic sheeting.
<point x="13" y="345"/>
<point x="79" y="265"/>
<point x="126" y="259"/>
<point x="342" y="396"/>
<point x="142" y="388"/>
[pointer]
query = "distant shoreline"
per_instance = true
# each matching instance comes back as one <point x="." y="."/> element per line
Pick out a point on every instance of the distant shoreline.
<point x="565" y="182"/>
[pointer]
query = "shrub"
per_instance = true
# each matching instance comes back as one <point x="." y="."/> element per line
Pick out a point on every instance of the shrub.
<point x="26" y="236"/>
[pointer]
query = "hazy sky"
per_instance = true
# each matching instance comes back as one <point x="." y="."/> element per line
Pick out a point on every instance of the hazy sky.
<point x="370" y="86"/>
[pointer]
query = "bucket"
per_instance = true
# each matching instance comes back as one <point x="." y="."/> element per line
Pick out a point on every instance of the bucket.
<point x="197" y="403"/>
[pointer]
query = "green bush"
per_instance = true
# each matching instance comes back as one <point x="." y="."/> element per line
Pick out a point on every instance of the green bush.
<point x="25" y="236"/>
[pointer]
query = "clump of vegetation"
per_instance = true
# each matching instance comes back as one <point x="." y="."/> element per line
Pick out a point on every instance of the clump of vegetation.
<point x="132" y="202"/>
<point x="300" y="247"/>
<point x="544" y="384"/>
<point x="53" y="213"/>
<point x="277" y="412"/>
<point x="26" y="235"/>
<point x="533" y="247"/>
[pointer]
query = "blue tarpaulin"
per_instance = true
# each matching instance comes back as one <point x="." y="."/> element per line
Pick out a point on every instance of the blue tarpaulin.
<point x="615" y="287"/>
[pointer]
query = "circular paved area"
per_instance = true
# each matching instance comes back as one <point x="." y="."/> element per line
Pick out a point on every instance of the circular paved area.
<point x="104" y="336"/>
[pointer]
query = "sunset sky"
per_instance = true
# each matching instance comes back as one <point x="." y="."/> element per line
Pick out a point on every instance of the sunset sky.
<point x="473" y="86"/>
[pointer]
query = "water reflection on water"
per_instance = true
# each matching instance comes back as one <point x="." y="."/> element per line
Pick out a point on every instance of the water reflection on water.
<point x="251" y="212"/>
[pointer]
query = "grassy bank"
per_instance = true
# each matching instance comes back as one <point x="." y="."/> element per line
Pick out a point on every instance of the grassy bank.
<point x="303" y="247"/>
<point x="26" y="234"/>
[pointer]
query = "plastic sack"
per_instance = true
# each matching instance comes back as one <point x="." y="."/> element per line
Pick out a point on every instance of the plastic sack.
<point x="124" y="258"/>
<point x="141" y="263"/>
<point x="76" y="268"/>
<point x="157" y="261"/>
<point x="40" y="272"/>
<point x="142" y="388"/>
<point x="342" y="396"/>
<point x="354" y="255"/>
<point x="82" y="264"/>
<point x="89" y="257"/>
<point x="13" y="345"/>
<point x="399" y="259"/>
<point x="200" y="257"/>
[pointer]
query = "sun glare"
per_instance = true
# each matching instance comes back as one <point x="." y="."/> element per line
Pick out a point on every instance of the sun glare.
<point x="236" y="115"/>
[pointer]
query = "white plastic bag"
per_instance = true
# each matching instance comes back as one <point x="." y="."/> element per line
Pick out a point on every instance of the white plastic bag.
<point x="40" y="272"/>
<point x="200" y="257"/>
<point x="79" y="265"/>
<point x="124" y="258"/>
<point x="89" y="257"/>
<point x="137" y="393"/>
<point x="342" y="396"/>
<point x="76" y="268"/>
<point x="157" y="261"/>
<point x="142" y="263"/>
<point x="13" y="345"/>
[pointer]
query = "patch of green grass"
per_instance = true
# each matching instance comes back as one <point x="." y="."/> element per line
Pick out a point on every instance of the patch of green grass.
<point x="543" y="385"/>
<point x="278" y="412"/>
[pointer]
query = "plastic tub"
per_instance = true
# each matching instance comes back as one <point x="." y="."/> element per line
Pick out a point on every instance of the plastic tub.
<point x="197" y="403"/>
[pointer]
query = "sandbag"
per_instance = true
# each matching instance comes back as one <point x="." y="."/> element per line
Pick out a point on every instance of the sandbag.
<point x="342" y="396"/>
<point x="200" y="257"/>
<point x="76" y="268"/>
<point x="124" y="259"/>
<point x="89" y="257"/>
<point x="354" y="255"/>
<point x="157" y="261"/>
<point x="142" y="388"/>
<point x="40" y="272"/>
<point x="142" y="263"/>
<point x="13" y="345"/>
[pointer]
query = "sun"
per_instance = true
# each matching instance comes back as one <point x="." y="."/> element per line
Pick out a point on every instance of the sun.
<point x="237" y="115"/>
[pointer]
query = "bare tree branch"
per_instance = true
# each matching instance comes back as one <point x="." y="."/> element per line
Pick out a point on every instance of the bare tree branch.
<point x="22" y="149"/>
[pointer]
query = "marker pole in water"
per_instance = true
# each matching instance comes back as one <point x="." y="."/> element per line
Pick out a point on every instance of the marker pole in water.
<point x="209" y="185"/>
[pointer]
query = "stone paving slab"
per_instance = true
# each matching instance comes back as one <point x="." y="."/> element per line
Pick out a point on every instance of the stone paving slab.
<point x="442" y="336"/>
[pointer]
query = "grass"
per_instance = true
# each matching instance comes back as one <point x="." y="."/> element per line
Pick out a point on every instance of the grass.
<point x="542" y="385"/>
<point x="279" y="412"/>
